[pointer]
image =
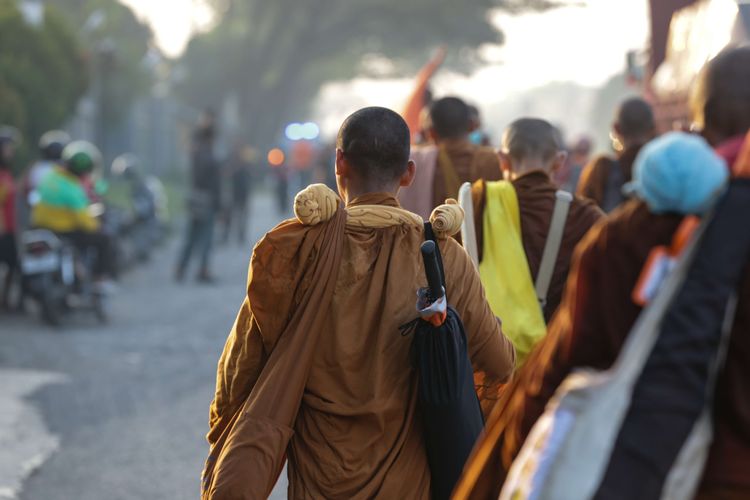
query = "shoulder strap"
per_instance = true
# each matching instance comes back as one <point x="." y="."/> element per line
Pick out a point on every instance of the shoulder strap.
<point x="429" y="235"/>
<point x="563" y="199"/>
<point x="468" y="229"/>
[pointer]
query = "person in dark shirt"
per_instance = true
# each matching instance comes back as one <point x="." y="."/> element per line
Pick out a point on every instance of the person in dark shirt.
<point x="203" y="202"/>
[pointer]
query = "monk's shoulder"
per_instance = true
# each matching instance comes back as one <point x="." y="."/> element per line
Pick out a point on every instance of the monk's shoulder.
<point x="486" y="155"/>
<point x="587" y="209"/>
<point x="282" y="242"/>
<point x="599" y="163"/>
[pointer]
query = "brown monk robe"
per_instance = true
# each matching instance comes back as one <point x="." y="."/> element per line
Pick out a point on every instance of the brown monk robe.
<point x="589" y="329"/>
<point x="357" y="433"/>
<point x="461" y="161"/>
<point x="536" y="203"/>
<point x="603" y="178"/>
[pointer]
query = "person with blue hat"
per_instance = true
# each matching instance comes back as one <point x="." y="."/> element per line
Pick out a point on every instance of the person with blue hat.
<point x="678" y="173"/>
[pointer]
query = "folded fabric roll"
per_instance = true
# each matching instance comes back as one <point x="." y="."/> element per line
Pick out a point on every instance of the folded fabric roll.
<point x="315" y="204"/>
<point x="678" y="173"/>
<point x="446" y="219"/>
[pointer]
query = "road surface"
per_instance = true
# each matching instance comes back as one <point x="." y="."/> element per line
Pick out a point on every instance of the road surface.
<point x="91" y="412"/>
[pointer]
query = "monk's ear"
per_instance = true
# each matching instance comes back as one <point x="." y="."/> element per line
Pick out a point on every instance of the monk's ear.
<point x="560" y="158"/>
<point x="342" y="166"/>
<point x="408" y="176"/>
<point x="506" y="165"/>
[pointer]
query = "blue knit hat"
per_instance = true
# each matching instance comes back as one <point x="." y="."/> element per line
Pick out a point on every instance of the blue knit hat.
<point x="678" y="173"/>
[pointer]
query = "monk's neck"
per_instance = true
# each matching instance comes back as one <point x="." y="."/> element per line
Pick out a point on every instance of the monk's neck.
<point x="352" y="195"/>
<point x="523" y="168"/>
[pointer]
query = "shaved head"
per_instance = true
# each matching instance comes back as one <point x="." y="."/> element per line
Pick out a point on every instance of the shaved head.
<point x="376" y="142"/>
<point x="721" y="101"/>
<point x="531" y="138"/>
<point x="451" y="117"/>
<point x="635" y="119"/>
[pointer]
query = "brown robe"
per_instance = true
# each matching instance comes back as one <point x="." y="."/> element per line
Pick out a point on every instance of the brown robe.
<point x="357" y="433"/>
<point x="470" y="163"/>
<point x="589" y="329"/>
<point x="593" y="182"/>
<point x="536" y="203"/>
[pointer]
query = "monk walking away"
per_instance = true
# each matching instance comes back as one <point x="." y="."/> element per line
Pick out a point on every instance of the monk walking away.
<point x="450" y="160"/>
<point x="602" y="180"/>
<point x="315" y="369"/>
<point x="514" y="223"/>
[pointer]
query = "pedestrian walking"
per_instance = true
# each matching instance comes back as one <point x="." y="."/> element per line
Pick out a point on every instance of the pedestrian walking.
<point x="203" y="203"/>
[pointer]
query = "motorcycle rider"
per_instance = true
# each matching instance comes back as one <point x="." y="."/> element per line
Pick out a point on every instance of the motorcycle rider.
<point x="63" y="206"/>
<point x="51" y="146"/>
<point x="9" y="139"/>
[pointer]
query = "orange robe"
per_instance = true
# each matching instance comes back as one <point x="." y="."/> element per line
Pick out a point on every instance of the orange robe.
<point x="357" y="433"/>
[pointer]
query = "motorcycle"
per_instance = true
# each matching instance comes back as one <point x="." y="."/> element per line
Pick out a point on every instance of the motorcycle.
<point x="59" y="278"/>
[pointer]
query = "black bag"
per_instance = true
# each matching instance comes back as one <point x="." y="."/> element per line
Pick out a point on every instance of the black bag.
<point x="451" y="415"/>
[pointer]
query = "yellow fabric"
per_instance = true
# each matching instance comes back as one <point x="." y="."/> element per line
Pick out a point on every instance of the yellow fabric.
<point x="62" y="220"/>
<point x="505" y="272"/>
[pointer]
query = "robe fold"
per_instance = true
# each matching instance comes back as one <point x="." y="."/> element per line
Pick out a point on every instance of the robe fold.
<point x="357" y="433"/>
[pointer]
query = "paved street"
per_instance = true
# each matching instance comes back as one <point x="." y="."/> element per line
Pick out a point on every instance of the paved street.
<point x="120" y="412"/>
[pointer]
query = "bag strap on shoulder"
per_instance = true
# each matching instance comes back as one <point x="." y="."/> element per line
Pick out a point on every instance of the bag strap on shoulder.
<point x="563" y="199"/>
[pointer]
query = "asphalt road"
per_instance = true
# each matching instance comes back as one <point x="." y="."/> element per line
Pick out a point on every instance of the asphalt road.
<point x="91" y="412"/>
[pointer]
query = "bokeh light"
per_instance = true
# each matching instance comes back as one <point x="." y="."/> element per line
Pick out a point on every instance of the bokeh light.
<point x="276" y="157"/>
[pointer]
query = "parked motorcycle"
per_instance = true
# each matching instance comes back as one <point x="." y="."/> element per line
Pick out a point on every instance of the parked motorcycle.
<point x="59" y="278"/>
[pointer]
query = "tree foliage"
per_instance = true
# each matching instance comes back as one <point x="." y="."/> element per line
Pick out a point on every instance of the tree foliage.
<point x="116" y="44"/>
<point x="274" y="55"/>
<point x="41" y="76"/>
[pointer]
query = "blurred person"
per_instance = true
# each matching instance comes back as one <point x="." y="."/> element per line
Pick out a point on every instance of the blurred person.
<point x="51" y="146"/>
<point x="63" y="206"/>
<point x="442" y="170"/>
<point x="599" y="311"/>
<point x="603" y="178"/>
<point x="530" y="155"/>
<point x="8" y="222"/>
<point x="239" y="171"/>
<point x="476" y="134"/>
<point x="580" y="153"/>
<point x="204" y="201"/>
<point x="357" y="431"/>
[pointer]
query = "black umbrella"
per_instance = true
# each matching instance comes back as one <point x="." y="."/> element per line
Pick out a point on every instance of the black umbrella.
<point x="451" y="415"/>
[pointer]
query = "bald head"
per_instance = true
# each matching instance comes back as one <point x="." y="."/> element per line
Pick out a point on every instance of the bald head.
<point x="634" y="122"/>
<point x="530" y="144"/>
<point x="721" y="101"/>
<point x="451" y="118"/>
<point x="375" y="142"/>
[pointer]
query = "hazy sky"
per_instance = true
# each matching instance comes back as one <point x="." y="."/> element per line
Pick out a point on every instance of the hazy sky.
<point x="584" y="45"/>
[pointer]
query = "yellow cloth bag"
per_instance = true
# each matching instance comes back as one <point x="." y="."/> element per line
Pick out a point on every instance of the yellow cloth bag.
<point x="505" y="271"/>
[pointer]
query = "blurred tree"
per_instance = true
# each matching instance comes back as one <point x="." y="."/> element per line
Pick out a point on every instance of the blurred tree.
<point x="41" y="76"/>
<point x="273" y="56"/>
<point x="116" y="45"/>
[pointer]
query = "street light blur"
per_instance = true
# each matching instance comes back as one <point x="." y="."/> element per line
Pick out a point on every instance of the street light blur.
<point x="276" y="157"/>
<point x="308" y="131"/>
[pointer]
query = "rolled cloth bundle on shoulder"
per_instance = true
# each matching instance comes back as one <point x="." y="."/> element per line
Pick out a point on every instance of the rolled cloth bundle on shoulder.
<point x="318" y="203"/>
<point x="446" y="219"/>
<point x="315" y="204"/>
